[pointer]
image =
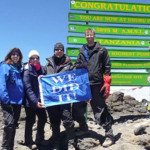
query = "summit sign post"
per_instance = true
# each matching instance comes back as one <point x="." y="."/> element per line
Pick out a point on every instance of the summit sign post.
<point x="110" y="6"/>
<point x="123" y="28"/>
<point x="77" y="28"/>
<point x="109" y="18"/>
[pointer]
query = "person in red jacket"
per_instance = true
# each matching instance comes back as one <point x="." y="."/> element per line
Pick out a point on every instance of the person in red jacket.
<point x="96" y="59"/>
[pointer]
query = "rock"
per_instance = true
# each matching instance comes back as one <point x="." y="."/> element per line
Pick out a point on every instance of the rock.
<point x="140" y="130"/>
<point x="141" y="127"/>
<point x="130" y="117"/>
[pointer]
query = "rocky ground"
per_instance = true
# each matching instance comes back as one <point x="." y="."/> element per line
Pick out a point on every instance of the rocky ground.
<point x="131" y="127"/>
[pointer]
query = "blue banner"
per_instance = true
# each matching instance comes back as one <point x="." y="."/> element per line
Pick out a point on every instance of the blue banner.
<point x="65" y="87"/>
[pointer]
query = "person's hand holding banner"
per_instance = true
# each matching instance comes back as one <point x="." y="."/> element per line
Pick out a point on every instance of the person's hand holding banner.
<point x="40" y="105"/>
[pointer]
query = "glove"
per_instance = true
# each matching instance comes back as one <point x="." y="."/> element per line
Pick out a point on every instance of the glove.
<point x="81" y="65"/>
<point x="106" y="86"/>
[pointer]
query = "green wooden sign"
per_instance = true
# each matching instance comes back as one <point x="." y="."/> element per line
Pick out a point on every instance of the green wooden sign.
<point x="130" y="64"/>
<point x="141" y="54"/>
<point x="110" y="6"/>
<point x="110" y="42"/>
<point x="110" y="30"/>
<point x="109" y="18"/>
<point x="129" y="54"/>
<point x="131" y="79"/>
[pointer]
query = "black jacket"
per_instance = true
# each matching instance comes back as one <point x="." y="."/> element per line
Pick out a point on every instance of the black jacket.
<point x="52" y="67"/>
<point x="30" y="78"/>
<point x="97" y="61"/>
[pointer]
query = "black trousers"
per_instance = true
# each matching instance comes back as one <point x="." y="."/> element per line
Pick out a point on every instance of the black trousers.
<point x="11" y="114"/>
<point x="58" y="113"/>
<point x="99" y="108"/>
<point x="31" y="114"/>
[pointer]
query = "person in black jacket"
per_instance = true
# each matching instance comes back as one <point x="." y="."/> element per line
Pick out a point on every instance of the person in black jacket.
<point x="33" y="105"/>
<point x="96" y="59"/>
<point x="59" y="62"/>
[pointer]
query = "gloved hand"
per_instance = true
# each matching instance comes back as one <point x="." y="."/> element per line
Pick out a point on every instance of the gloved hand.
<point x="81" y="65"/>
<point x="106" y="86"/>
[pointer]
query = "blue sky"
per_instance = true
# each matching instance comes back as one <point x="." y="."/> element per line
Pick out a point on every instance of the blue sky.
<point x="34" y="24"/>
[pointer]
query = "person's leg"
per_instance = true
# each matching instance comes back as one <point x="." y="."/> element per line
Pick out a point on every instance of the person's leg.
<point x="30" y="120"/>
<point x="67" y="116"/>
<point x="78" y="113"/>
<point x="68" y="124"/>
<point x="17" y="111"/>
<point x="42" y="119"/>
<point x="101" y="114"/>
<point x="54" y="114"/>
<point x="11" y="115"/>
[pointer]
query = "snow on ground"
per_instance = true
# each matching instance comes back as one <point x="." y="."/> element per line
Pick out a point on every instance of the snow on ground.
<point x="138" y="92"/>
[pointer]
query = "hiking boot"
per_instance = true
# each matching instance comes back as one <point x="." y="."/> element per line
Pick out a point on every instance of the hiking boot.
<point x="55" y="146"/>
<point x="83" y="129"/>
<point x="46" y="142"/>
<point x="50" y="141"/>
<point x="33" y="147"/>
<point x="108" y="142"/>
<point x="39" y="141"/>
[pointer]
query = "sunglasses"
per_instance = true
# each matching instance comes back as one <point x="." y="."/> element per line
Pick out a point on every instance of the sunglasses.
<point x="59" y="49"/>
<point x="15" y="54"/>
<point x="33" y="58"/>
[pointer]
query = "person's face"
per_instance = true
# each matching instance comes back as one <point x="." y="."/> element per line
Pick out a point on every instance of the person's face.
<point x="15" y="57"/>
<point x="59" y="52"/>
<point x="89" y="35"/>
<point x="34" y="60"/>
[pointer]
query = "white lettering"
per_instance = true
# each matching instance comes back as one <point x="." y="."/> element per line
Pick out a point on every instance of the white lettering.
<point x="69" y="77"/>
<point x="66" y="88"/>
<point x="67" y="97"/>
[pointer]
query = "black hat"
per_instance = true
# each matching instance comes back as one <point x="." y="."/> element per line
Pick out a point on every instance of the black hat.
<point x="59" y="46"/>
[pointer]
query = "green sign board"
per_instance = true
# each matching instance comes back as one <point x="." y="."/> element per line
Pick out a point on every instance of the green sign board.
<point x="111" y="41"/>
<point x="129" y="54"/>
<point x="73" y="52"/>
<point x="109" y="18"/>
<point x="130" y="64"/>
<point x="110" y="6"/>
<point x="110" y="30"/>
<point x="131" y="79"/>
<point x="122" y="64"/>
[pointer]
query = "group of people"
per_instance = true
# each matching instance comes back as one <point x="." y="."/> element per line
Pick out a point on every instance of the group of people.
<point x="19" y="86"/>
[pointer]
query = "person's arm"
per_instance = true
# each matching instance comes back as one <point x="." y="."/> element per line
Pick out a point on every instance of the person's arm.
<point x="106" y="64"/>
<point x="33" y="100"/>
<point x="81" y="60"/>
<point x="4" y="76"/>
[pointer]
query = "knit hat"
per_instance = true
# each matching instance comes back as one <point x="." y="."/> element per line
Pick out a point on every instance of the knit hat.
<point x="32" y="53"/>
<point x="59" y="46"/>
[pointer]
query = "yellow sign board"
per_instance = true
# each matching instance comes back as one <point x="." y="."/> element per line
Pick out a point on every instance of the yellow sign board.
<point x="111" y="41"/>
<point x="110" y="6"/>
<point x="109" y="18"/>
<point x="110" y="30"/>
